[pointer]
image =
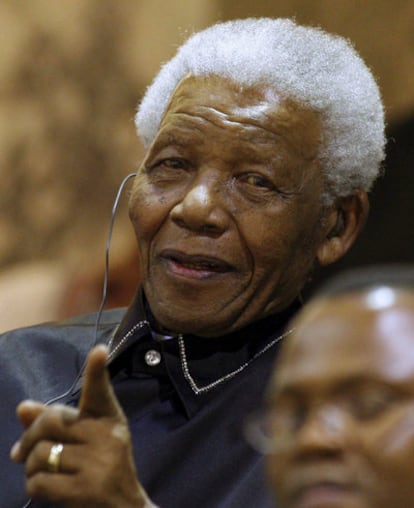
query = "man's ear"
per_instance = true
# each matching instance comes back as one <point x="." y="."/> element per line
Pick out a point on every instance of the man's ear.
<point x="344" y="220"/>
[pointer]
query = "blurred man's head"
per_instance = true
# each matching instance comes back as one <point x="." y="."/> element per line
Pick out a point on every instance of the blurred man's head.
<point x="341" y="401"/>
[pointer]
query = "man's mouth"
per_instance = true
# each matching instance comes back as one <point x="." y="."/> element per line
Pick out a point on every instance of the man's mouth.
<point x="195" y="265"/>
<point x="322" y="494"/>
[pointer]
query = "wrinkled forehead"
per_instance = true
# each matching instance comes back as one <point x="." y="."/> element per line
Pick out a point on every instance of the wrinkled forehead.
<point x="259" y="106"/>
<point x="361" y="333"/>
<point x="223" y="91"/>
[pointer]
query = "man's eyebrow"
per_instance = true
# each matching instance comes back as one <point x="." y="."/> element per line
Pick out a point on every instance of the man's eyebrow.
<point x="170" y="138"/>
<point x="352" y="382"/>
<point x="298" y="388"/>
<point x="370" y="379"/>
<point x="285" y="392"/>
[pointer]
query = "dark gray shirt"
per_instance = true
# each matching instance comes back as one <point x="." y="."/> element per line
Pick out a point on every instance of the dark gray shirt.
<point x="189" y="447"/>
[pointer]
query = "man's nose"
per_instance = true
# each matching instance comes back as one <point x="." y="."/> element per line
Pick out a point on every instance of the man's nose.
<point x="324" y="432"/>
<point x="203" y="207"/>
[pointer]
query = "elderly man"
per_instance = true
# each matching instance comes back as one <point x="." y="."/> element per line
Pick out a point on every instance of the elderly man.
<point x="263" y="138"/>
<point x="340" y="424"/>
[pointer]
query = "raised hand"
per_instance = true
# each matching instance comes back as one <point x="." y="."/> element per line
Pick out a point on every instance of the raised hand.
<point x="95" y="466"/>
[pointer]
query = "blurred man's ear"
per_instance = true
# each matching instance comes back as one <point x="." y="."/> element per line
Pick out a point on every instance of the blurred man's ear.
<point x="343" y="223"/>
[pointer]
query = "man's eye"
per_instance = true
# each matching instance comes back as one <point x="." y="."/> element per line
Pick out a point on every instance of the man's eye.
<point x="371" y="404"/>
<point x="257" y="181"/>
<point x="288" y="416"/>
<point x="173" y="164"/>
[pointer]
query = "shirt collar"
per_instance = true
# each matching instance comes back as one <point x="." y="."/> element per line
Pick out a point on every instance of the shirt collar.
<point x="207" y="359"/>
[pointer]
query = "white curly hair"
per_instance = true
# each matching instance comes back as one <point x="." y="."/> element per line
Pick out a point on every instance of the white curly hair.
<point x="318" y="70"/>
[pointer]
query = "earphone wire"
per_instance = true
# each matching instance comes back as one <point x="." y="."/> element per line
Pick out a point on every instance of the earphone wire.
<point x="103" y="298"/>
<point x="104" y="288"/>
<point x="107" y="247"/>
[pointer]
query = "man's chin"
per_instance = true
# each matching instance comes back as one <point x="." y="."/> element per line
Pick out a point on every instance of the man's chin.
<point x="190" y="319"/>
<point x="202" y="311"/>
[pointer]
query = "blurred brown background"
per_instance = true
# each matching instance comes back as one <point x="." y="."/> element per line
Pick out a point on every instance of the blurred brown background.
<point x="71" y="74"/>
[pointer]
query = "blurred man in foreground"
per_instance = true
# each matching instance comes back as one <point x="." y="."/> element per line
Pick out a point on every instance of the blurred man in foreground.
<point x="339" y="428"/>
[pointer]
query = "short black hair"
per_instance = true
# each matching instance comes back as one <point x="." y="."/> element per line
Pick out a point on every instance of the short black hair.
<point x="363" y="278"/>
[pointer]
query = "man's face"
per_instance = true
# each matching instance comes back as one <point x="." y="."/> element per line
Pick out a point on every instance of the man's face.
<point x="227" y="206"/>
<point x="342" y="401"/>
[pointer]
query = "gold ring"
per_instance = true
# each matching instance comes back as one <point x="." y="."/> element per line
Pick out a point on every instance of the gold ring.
<point x="53" y="460"/>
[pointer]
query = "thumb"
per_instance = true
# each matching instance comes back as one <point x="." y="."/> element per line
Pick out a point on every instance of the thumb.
<point x="98" y="397"/>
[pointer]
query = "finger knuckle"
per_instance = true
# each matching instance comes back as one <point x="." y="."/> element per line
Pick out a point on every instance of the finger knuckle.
<point x="36" y="458"/>
<point x="41" y="450"/>
<point x="36" y="485"/>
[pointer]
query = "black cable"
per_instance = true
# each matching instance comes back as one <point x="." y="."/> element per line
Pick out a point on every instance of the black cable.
<point x="104" y="287"/>
<point x="103" y="299"/>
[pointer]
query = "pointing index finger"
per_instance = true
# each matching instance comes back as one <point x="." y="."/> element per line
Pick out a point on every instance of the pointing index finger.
<point x="98" y="398"/>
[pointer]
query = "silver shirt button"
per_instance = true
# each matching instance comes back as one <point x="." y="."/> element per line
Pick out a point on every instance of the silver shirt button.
<point x="152" y="357"/>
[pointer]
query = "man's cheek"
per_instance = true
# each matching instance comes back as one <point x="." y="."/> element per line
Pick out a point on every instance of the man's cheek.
<point x="398" y="440"/>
